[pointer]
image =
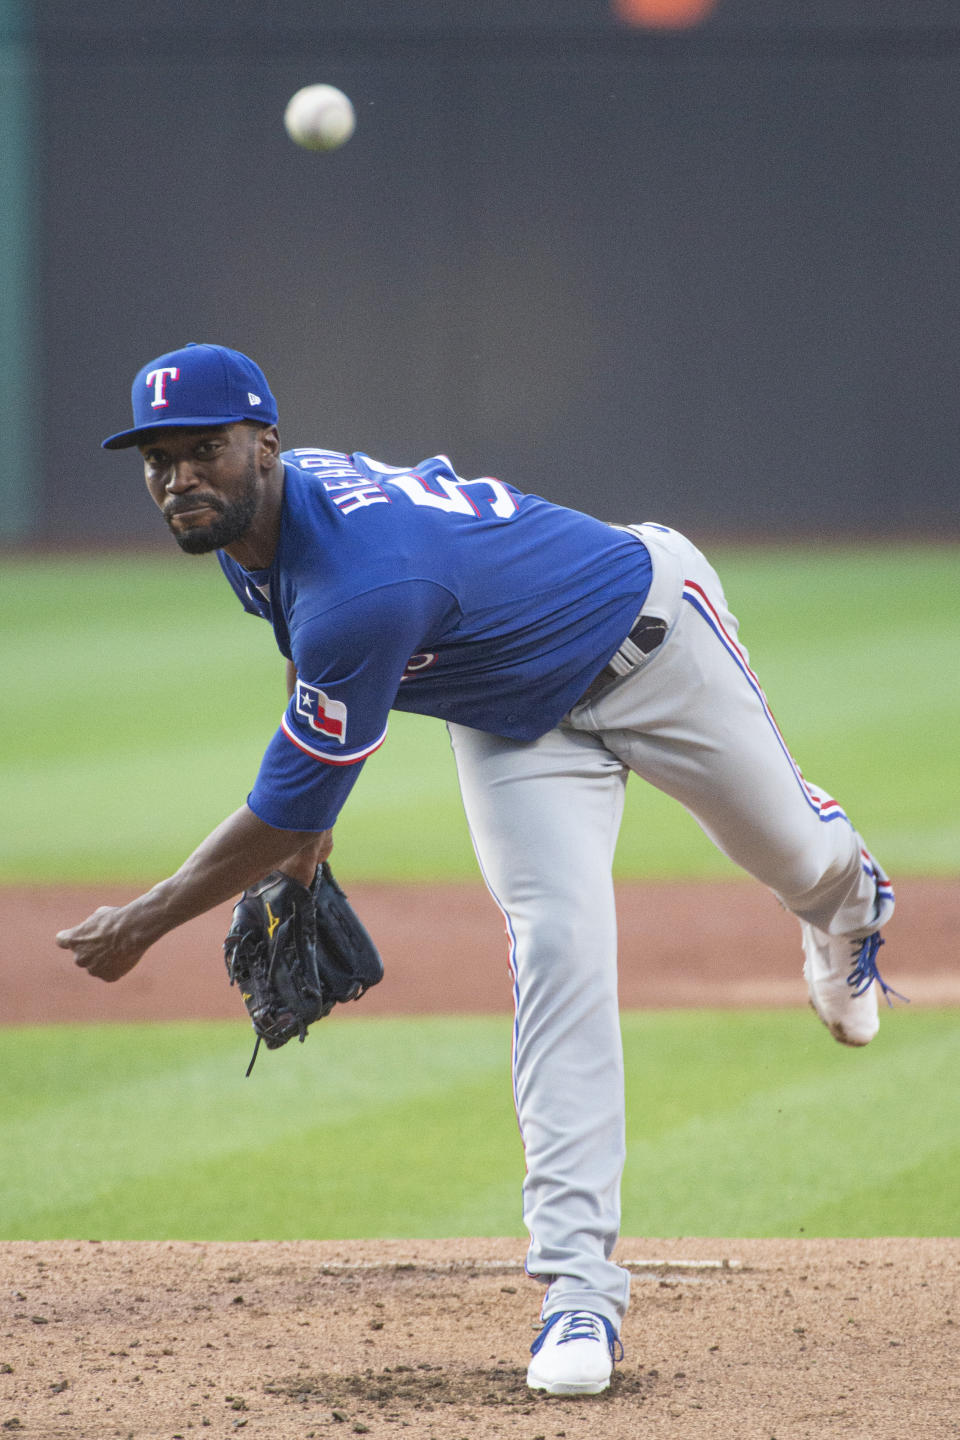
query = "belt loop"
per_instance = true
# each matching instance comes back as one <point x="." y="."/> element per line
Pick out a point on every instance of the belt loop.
<point x="660" y="609"/>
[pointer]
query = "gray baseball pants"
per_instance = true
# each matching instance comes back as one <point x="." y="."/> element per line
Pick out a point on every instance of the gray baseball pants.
<point x="544" y="815"/>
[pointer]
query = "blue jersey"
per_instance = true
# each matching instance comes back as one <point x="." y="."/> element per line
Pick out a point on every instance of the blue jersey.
<point x="413" y="589"/>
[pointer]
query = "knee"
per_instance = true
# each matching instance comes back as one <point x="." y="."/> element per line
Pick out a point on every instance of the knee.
<point x="804" y="875"/>
<point x="565" y="941"/>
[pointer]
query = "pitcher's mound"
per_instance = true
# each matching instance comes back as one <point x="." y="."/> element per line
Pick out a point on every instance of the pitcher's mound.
<point x="725" y="1340"/>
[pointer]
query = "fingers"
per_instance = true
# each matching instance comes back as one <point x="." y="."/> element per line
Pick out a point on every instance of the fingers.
<point x="108" y="968"/>
<point x="69" y="939"/>
<point x="107" y="965"/>
<point x="302" y="864"/>
<point x="99" y="945"/>
<point x="87" y="929"/>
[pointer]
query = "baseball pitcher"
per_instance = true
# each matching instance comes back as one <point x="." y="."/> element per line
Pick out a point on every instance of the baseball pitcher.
<point x="563" y="654"/>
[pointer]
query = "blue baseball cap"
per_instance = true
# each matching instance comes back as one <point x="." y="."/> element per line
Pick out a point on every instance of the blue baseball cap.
<point x="197" y="386"/>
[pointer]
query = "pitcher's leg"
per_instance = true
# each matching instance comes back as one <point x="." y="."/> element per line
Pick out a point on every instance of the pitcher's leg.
<point x="696" y="723"/>
<point x="544" y="818"/>
<point x="795" y="836"/>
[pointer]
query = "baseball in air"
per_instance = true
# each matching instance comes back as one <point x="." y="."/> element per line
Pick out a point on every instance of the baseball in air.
<point x="319" y="117"/>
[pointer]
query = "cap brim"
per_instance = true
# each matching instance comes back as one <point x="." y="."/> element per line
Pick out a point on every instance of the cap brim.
<point x="124" y="439"/>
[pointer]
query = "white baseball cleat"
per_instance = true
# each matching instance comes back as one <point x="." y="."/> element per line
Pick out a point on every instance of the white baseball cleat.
<point x="574" y="1354"/>
<point x="841" y="973"/>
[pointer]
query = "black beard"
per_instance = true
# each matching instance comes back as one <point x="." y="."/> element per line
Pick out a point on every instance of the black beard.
<point x="231" y="524"/>
<point x="232" y="520"/>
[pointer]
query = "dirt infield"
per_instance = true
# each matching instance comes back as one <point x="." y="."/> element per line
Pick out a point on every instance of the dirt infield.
<point x="758" y="1340"/>
<point x="444" y="949"/>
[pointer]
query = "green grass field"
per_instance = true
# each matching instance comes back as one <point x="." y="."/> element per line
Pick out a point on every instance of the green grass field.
<point x="136" y="702"/>
<point x="138" y="698"/>
<point x="740" y="1124"/>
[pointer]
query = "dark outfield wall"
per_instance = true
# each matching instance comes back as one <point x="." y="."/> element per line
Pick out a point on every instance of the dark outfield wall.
<point x="709" y="278"/>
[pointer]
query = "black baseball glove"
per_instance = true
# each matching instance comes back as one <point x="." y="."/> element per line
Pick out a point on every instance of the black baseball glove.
<point x="295" y="953"/>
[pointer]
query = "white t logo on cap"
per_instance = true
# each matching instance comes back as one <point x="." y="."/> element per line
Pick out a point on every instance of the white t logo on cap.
<point x="158" y="379"/>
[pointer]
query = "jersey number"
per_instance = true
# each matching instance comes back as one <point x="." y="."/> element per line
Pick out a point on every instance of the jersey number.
<point x="451" y="495"/>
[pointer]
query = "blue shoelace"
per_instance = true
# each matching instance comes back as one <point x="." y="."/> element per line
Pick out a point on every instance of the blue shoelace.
<point x="580" y="1325"/>
<point x="865" y="971"/>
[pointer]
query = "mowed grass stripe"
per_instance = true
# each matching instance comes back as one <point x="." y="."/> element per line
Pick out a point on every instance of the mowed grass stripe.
<point x="806" y="1142"/>
<point x="402" y="1169"/>
<point x="138" y="700"/>
<point x="750" y="1123"/>
<point x="120" y="1104"/>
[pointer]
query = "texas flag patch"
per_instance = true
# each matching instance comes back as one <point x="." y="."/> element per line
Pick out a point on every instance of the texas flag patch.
<point x="328" y="717"/>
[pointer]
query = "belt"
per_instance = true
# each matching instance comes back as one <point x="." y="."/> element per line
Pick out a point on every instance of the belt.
<point x="647" y="634"/>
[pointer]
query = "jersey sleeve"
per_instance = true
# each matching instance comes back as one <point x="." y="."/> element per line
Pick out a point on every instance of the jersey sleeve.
<point x="349" y="663"/>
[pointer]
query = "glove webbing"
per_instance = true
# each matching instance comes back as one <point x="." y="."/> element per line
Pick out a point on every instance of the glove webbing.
<point x="281" y="937"/>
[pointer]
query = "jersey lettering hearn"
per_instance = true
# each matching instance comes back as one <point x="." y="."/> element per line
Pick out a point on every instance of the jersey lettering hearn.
<point x="330" y="464"/>
<point x="347" y="487"/>
<point x="350" y="489"/>
<point x="357" y="496"/>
